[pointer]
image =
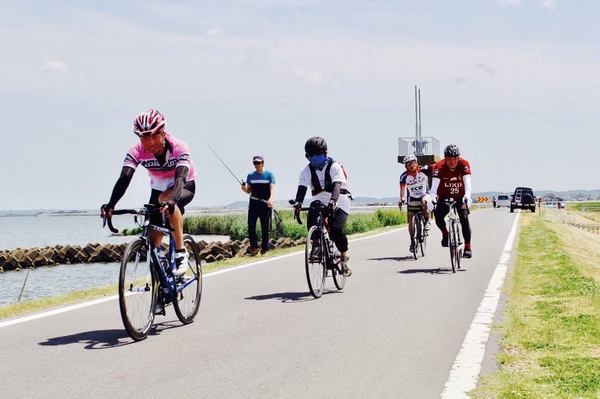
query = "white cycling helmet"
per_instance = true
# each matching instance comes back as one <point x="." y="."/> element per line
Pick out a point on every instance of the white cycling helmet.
<point x="409" y="158"/>
<point x="149" y="122"/>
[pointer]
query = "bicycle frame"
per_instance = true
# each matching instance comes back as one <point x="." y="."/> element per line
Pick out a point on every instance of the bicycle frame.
<point x="324" y="234"/>
<point x="167" y="283"/>
<point x="454" y="219"/>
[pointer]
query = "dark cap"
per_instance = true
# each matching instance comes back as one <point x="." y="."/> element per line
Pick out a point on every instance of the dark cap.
<point x="258" y="158"/>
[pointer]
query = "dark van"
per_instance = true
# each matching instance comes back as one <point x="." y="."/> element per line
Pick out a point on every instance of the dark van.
<point x="523" y="198"/>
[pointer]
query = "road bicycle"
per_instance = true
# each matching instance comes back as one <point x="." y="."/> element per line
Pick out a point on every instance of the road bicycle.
<point x="321" y="257"/>
<point x="146" y="281"/>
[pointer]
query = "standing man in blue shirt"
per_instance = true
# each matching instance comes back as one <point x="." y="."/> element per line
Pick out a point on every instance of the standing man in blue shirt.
<point x="261" y="186"/>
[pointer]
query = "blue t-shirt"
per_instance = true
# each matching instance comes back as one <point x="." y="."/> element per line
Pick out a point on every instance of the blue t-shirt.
<point x="260" y="184"/>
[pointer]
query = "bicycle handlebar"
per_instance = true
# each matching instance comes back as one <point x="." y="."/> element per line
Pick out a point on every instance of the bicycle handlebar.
<point x="303" y="209"/>
<point x="148" y="209"/>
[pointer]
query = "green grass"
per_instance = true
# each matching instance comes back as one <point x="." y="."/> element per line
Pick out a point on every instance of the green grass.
<point x="74" y="297"/>
<point x="551" y="335"/>
<point x="584" y="206"/>
<point x="236" y="226"/>
<point x="45" y="303"/>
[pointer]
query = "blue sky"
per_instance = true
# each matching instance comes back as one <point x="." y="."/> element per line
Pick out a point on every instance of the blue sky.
<point x="513" y="83"/>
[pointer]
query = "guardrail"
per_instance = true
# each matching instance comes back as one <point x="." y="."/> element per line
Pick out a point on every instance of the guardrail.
<point x="589" y="227"/>
<point x="560" y="216"/>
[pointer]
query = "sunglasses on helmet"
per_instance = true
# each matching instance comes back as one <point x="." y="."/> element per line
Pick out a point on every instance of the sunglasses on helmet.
<point x="148" y="133"/>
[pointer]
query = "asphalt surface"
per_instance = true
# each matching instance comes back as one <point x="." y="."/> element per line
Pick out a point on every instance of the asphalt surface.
<point x="394" y="332"/>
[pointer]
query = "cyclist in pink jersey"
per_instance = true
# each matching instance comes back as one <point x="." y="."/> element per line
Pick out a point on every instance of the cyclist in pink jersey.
<point x="172" y="177"/>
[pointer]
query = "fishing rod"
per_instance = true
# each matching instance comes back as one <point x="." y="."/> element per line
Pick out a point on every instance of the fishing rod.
<point x="275" y="214"/>
<point x="241" y="182"/>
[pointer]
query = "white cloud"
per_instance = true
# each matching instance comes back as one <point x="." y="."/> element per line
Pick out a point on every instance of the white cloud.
<point x="315" y="78"/>
<point x="214" y="31"/>
<point x="487" y="69"/>
<point x="55" y="66"/>
<point x="549" y="4"/>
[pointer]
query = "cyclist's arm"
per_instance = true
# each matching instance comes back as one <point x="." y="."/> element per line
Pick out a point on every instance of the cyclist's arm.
<point x="402" y="191"/>
<point x="180" y="177"/>
<point x="335" y="192"/>
<point x="121" y="186"/>
<point x="303" y="185"/>
<point x="435" y="183"/>
<point x="467" y="183"/>
<point x="301" y="193"/>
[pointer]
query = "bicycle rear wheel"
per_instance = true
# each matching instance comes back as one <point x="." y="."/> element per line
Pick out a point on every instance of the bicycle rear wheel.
<point x="314" y="261"/>
<point x="187" y="299"/>
<point x="137" y="290"/>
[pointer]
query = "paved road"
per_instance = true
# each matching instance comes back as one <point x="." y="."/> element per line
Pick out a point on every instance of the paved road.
<point x="394" y="332"/>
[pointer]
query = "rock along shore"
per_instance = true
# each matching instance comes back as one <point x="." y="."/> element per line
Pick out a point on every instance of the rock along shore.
<point x="20" y="258"/>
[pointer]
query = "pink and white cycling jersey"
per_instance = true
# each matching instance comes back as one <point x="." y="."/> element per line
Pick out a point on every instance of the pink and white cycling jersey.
<point x="162" y="177"/>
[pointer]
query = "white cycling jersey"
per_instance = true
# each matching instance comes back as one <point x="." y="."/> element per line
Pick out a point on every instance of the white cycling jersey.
<point x="416" y="184"/>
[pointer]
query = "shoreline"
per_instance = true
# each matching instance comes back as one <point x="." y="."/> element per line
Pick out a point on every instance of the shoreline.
<point x="34" y="305"/>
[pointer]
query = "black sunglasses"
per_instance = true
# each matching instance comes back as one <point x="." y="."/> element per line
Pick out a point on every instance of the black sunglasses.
<point x="257" y="162"/>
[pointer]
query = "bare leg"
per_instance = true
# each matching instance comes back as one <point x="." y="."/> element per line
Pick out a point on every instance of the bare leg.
<point x="411" y="227"/>
<point x="175" y="220"/>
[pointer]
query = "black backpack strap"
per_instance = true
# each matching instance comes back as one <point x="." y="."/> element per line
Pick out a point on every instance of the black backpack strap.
<point x="328" y="182"/>
<point x="317" y="189"/>
<point x="315" y="181"/>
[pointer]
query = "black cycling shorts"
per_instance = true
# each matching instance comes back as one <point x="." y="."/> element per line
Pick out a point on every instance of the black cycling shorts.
<point x="187" y="194"/>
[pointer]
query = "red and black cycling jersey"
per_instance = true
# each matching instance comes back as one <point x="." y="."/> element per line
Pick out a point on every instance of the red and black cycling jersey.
<point x="451" y="181"/>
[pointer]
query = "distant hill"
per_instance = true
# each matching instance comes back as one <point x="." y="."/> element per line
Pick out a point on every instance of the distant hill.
<point x="568" y="195"/>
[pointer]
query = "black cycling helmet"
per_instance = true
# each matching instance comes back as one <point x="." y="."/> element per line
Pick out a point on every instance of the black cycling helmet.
<point x="315" y="146"/>
<point x="452" y="151"/>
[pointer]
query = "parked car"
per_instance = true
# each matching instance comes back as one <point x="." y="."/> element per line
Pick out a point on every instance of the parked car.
<point x="522" y="198"/>
<point x="503" y="200"/>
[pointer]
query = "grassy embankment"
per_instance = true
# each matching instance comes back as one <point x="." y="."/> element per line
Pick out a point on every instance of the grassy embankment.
<point x="589" y="210"/>
<point x="234" y="226"/>
<point x="551" y="334"/>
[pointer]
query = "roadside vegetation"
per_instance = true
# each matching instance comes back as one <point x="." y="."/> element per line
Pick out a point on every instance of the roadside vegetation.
<point x="551" y="332"/>
<point x="59" y="300"/>
<point x="589" y="210"/>
<point x="236" y="226"/>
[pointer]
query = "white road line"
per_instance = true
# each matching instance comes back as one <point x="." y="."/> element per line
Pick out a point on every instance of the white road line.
<point x="65" y="309"/>
<point x="56" y="311"/>
<point x="467" y="365"/>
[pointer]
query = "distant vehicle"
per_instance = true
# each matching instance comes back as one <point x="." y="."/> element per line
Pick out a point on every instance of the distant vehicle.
<point x="554" y="203"/>
<point x="523" y="198"/>
<point x="503" y="200"/>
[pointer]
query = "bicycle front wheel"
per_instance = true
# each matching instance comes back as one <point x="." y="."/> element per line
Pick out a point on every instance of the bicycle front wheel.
<point x="453" y="246"/>
<point x="457" y="240"/>
<point x="423" y="238"/>
<point x="137" y="290"/>
<point x="189" y="285"/>
<point x="314" y="261"/>
<point x="418" y="233"/>
<point x="339" y="279"/>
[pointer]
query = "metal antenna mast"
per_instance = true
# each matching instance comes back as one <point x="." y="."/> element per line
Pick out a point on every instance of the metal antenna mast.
<point x="418" y="133"/>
